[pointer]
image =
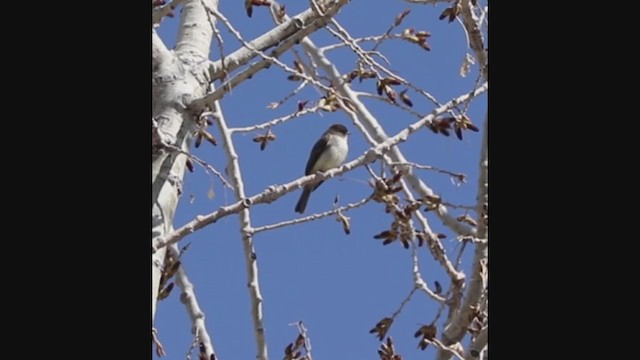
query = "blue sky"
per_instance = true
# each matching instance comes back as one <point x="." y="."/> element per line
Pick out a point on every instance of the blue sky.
<point x="339" y="285"/>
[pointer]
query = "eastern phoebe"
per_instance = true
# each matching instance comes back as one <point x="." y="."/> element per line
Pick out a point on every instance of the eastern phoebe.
<point x="328" y="152"/>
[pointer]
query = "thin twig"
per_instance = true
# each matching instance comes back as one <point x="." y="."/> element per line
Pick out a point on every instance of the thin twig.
<point x="218" y="36"/>
<point x="159" y="348"/>
<point x="276" y="104"/>
<point x="188" y="298"/>
<point x="459" y="323"/>
<point x="419" y="282"/>
<point x="272" y="123"/>
<point x="459" y="257"/>
<point x="310" y="217"/>
<point x="271" y="59"/>
<point x="446" y="348"/>
<point x="203" y="163"/>
<point x="307" y="342"/>
<point x="192" y="346"/>
<point x="459" y="176"/>
<point x="343" y="34"/>
<point x="376" y="38"/>
<point x="292" y="33"/>
<point x="404" y="302"/>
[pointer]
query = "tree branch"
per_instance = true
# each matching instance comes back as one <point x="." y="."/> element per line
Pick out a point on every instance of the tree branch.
<point x="202" y="163"/>
<point x="344" y="35"/>
<point x="174" y="122"/>
<point x="274" y="192"/>
<point x="271" y="123"/>
<point x="476" y="41"/>
<point x="310" y="217"/>
<point x="289" y="33"/>
<point x="458" y="176"/>
<point x="478" y="344"/>
<point x="245" y="230"/>
<point x="458" y="325"/>
<point x="188" y="298"/>
<point x="372" y="130"/>
<point x="299" y="26"/>
<point x="419" y="282"/>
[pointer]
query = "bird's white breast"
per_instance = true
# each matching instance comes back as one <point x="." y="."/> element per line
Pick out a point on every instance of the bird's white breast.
<point x="334" y="155"/>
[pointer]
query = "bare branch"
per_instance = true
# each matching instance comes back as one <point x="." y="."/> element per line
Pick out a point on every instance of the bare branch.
<point x="302" y="31"/>
<point x="477" y="345"/>
<point x="476" y="41"/>
<point x="483" y="181"/>
<point x="375" y="38"/>
<point x="202" y="163"/>
<point x="343" y="34"/>
<point x="218" y="36"/>
<point x="403" y="303"/>
<point x="302" y="330"/>
<point x="374" y="133"/>
<point x="188" y="298"/>
<point x="274" y="192"/>
<point x="463" y="245"/>
<point x="458" y="176"/>
<point x="459" y="324"/>
<point x="274" y="105"/>
<point x="419" y="282"/>
<point x="245" y="230"/>
<point x="434" y="245"/>
<point x="310" y="217"/>
<point x="295" y="28"/>
<point x="159" y="348"/>
<point x="174" y="123"/>
<point x="447" y="349"/>
<point x="274" y="122"/>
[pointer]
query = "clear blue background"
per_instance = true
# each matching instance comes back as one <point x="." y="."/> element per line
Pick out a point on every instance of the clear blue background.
<point x="339" y="285"/>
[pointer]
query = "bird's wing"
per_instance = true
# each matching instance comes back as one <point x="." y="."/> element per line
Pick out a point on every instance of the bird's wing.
<point x="315" y="154"/>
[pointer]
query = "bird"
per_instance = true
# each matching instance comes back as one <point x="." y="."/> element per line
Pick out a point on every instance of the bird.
<point x="327" y="153"/>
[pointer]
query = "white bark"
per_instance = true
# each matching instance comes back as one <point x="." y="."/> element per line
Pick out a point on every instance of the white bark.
<point x="375" y="131"/>
<point x="274" y="192"/>
<point x="245" y="231"/>
<point x="456" y="329"/>
<point x="188" y="298"/>
<point x="180" y="83"/>
<point x="175" y="83"/>
<point x="478" y="344"/>
<point x="284" y="36"/>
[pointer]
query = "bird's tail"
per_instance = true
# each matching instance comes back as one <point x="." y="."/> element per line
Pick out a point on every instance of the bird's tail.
<point x="302" y="202"/>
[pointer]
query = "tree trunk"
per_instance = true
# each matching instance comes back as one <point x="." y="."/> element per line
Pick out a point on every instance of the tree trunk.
<point x="178" y="77"/>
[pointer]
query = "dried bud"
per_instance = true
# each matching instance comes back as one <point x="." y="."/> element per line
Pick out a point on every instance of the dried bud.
<point x="405" y="98"/>
<point x="382" y="327"/>
<point x="401" y="16"/>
